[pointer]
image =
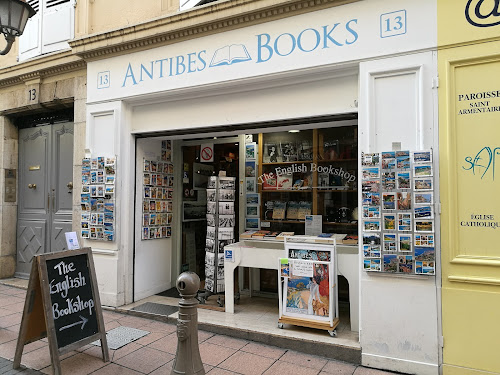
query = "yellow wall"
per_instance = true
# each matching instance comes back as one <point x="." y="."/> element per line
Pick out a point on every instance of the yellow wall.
<point x="469" y="122"/>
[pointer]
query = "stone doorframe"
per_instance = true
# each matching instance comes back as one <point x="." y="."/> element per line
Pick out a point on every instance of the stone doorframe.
<point x="55" y="92"/>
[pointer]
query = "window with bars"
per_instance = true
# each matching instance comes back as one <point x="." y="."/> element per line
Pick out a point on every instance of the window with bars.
<point x="49" y="29"/>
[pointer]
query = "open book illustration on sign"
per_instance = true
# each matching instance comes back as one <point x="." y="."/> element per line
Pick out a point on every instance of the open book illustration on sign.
<point x="228" y="55"/>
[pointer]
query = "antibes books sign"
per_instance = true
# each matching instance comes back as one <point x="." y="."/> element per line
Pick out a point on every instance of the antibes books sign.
<point x="343" y="33"/>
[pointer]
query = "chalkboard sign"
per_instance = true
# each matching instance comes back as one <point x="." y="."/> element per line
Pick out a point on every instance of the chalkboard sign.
<point x="72" y="299"/>
<point x="62" y="293"/>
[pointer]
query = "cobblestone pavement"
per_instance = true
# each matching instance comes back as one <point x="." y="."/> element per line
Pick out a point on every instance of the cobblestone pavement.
<point x="154" y="353"/>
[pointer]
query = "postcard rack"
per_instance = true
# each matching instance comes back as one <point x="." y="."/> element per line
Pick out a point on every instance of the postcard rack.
<point x="308" y="288"/>
<point x="220" y="231"/>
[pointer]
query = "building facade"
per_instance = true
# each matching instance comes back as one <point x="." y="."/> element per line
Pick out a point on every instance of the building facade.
<point x="468" y="62"/>
<point x="160" y="84"/>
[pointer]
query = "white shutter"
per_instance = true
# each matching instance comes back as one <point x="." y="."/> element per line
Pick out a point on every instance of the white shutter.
<point x="30" y="41"/>
<point x="58" y="25"/>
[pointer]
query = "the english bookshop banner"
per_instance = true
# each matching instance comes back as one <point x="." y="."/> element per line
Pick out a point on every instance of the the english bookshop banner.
<point x="339" y="34"/>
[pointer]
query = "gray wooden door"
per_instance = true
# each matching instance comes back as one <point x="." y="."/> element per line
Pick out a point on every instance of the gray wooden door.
<point x="45" y="192"/>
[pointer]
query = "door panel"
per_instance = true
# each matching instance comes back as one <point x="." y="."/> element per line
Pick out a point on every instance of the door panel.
<point x="30" y="242"/>
<point x="45" y="201"/>
<point x="34" y="155"/>
<point x="63" y="171"/>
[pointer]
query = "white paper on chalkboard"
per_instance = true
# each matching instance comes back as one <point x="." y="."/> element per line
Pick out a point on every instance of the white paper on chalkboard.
<point x="302" y="268"/>
<point x="72" y="241"/>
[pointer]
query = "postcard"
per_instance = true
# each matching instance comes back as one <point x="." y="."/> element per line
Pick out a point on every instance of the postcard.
<point x="226" y="208"/>
<point x="389" y="180"/>
<point x="250" y="169"/>
<point x="423" y="184"/>
<point x="424" y="240"/>
<point x="404" y="200"/>
<point x="425" y="268"/>
<point x="371" y="225"/>
<point x="422" y="170"/>
<point x="389" y="221"/>
<point x="388" y="155"/>
<point x="370" y="173"/>
<point x="252" y="223"/>
<point x="371" y="238"/>
<point x="226" y="195"/>
<point x="390" y="242"/>
<point x="423" y="198"/>
<point x="251" y="151"/>
<point x="403" y="162"/>
<point x="405" y="263"/>
<point x="85" y="233"/>
<point x="422" y="212"/>
<point x="371" y="251"/>
<point x="253" y="198"/>
<point x="425" y="253"/>
<point x="370" y="159"/>
<point x="371" y="199"/>
<point x="390" y="263"/>
<point x="403" y="180"/>
<point x="370" y="186"/>
<point x="366" y="264"/>
<point x="389" y="201"/>
<point x="404" y="221"/>
<point x="371" y="212"/>
<point x="375" y="265"/>
<point x="388" y="163"/>
<point x="405" y="242"/>
<point x="422" y="157"/>
<point x="252" y="211"/>
<point x="424" y="225"/>
<point x="250" y="185"/>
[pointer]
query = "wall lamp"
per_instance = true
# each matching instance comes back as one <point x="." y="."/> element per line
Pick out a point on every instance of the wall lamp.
<point x="14" y="15"/>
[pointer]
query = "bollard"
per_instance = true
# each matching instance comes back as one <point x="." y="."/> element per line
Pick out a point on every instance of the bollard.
<point x="187" y="359"/>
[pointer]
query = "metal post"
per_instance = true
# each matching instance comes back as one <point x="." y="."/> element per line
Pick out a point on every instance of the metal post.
<point x="187" y="359"/>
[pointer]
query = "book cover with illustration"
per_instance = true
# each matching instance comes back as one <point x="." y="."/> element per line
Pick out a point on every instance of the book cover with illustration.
<point x="285" y="182"/>
<point x="279" y="210"/>
<point x="269" y="183"/>
<point x="230" y="54"/>
<point x="305" y="208"/>
<point x="292" y="212"/>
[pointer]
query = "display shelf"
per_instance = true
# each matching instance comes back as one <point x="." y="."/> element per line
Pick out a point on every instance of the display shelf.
<point x="331" y="167"/>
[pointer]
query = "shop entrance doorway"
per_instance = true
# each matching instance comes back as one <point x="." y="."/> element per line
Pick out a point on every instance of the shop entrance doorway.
<point x="197" y="169"/>
<point x="45" y="192"/>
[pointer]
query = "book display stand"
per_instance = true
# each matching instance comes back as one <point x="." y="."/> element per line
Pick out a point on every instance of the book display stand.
<point x="308" y="288"/>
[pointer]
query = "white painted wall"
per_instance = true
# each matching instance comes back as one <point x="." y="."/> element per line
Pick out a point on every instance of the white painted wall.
<point x="322" y="92"/>
<point x="153" y="258"/>
<point x="108" y="134"/>
<point x="399" y="314"/>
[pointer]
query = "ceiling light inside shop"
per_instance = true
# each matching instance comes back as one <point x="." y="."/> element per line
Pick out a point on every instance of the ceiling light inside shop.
<point x="293" y="131"/>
